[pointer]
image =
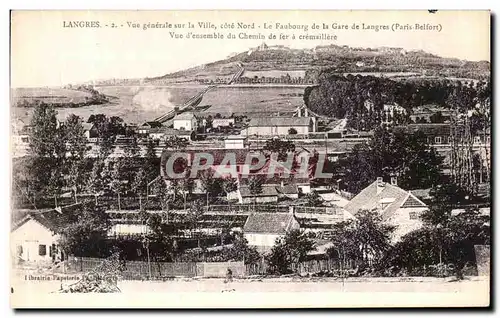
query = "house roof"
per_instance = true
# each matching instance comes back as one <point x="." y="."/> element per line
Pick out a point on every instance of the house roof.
<point x="427" y="129"/>
<point x="185" y="116"/>
<point x="288" y="189"/>
<point x="271" y="223"/>
<point x="394" y="198"/>
<point x="87" y="126"/>
<point x="279" y="121"/>
<point x="52" y="219"/>
<point x="267" y="191"/>
<point x="152" y="124"/>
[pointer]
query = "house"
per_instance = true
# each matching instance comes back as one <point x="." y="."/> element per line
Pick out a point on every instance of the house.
<point x="235" y="142"/>
<point x="222" y="122"/>
<point x="438" y="134"/>
<point x="267" y="195"/>
<point x="280" y="126"/>
<point x="396" y="206"/>
<point x="91" y="131"/>
<point x="147" y="126"/>
<point x="262" y="229"/>
<point x="34" y="238"/>
<point x="430" y="113"/>
<point x="186" y="121"/>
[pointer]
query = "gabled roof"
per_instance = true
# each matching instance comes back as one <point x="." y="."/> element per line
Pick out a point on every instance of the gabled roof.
<point x="269" y="223"/>
<point x="185" y="116"/>
<point x="267" y="191"/>
<point x="87" y="126"/>
<point x="279" y="121"/>
<point x="151" y="124"/>
<point x="392" y="196"/>
<point x="52" y="219"/>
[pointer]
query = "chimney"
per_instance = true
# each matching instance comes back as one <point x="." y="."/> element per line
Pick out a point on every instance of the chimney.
<point x="380" y="184"/>
<point x="394" y="181"/>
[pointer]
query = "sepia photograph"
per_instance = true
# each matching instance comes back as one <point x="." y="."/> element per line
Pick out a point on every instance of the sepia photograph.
<point x="250" y="159"/>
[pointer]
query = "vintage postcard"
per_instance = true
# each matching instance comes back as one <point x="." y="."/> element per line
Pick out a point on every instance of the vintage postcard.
<point x="250" y="159"/>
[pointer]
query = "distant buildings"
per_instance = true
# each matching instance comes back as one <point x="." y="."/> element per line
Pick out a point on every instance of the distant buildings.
<point x="280" y="126"/>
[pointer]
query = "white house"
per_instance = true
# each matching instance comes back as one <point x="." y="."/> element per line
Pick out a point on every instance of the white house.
<point x="262" y="229"/>
<point x="280" y="126"/>
<point x="185" y="121"/>
<point x="267" y="195"/>
<point x="34" y="240"/>
<point x="396" y="206"/>
<point x="234" y="142"/>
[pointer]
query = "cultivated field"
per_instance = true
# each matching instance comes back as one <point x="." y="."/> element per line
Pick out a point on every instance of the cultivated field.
<point x="138" y="104"/>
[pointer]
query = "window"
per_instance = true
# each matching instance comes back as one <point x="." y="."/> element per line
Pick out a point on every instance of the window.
<point x="42" y="250"/>
<point x="437" y="140"/>
<point x="413" y="216"/>
<point x="477" y="140"/>
<point x="488" y="139"/>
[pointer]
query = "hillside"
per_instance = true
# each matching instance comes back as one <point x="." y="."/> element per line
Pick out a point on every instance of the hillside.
<point x="342" y="59"/>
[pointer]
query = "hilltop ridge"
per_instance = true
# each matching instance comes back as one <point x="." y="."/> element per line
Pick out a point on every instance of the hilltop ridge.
<point x="343" y="59"/>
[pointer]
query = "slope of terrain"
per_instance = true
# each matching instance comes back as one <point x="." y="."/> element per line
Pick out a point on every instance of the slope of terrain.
<point x="342" y="59"/>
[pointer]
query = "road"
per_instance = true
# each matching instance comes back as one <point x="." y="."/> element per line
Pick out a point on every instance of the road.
<point x="367" y="292"/>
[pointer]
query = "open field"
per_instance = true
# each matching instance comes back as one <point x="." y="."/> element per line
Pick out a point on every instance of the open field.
<point x="137" y="104"/>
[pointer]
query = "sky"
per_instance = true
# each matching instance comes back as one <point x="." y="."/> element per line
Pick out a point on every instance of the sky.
<point x="45" y="53"/>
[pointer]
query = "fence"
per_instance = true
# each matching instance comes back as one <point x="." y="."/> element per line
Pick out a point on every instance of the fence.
<point x="157" y="270"/>
<point x="311" y="266"/>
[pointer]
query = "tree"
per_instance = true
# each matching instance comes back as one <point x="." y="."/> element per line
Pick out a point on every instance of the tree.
<point x="314" y="199"/>
<point x="451" y="241"/>
<point x="363" y="240"/>
<point x="74" y="135"/>
<point x="98" y="178"/>
<point x="229" y="185"/>
<point x="280" y="147"/>
<point x="240" y="251"/>
<point x="210" y="184"/>
<point x="388" y="154"/>
<point x="175" y="142"/>
<point x="47" y="151"/>
<point x="84" y="231"/>
<point x="151" y="162"/>
<point x="255" y="186"/>
<point x="292" y="131"/>
<point x="139" y="184"/>
<point x="76" y="176"/>
<point x="288" y="250"/>
<point x="194" y="217"/>
<point x="117" y="183"/>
